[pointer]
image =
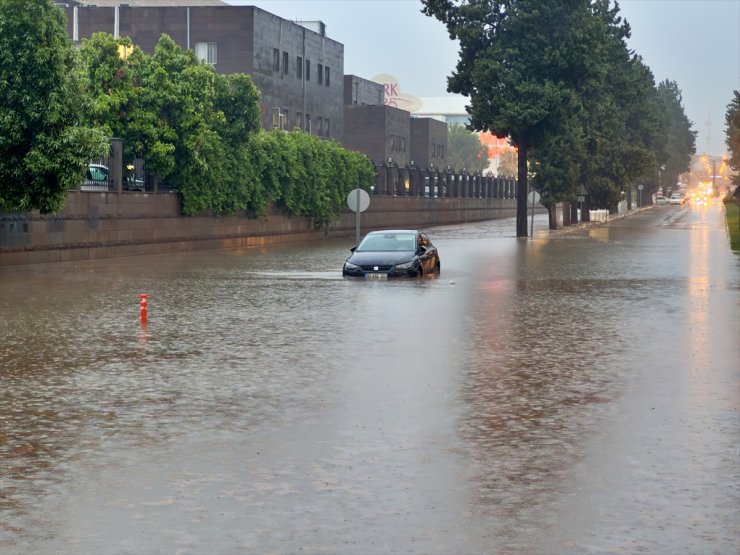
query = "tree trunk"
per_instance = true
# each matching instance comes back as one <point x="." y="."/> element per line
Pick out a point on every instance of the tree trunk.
<point x="574" y="213"/>
<point x="521" y="193"/>
<point x="552" y="215"/>
<point x="629" y="197"/>
<point x="585" y="211"/>
<point x="566" y="214"/>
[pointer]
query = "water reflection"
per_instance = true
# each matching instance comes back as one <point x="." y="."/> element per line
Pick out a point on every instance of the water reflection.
<point x="540" y="375"/>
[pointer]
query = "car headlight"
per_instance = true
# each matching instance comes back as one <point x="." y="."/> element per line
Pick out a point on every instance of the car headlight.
<point x="350" y="266"/>
<point x="405" y="265"/>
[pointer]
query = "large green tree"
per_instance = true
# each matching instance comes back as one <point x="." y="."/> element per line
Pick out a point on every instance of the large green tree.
<point x="200" y="131"/>
<point x="465" y="150"/>
<point x="44" y="148"/>
<point x="518" y="62"/>
<point x="680" y="139"/>
<point x="622" y="118"/>
<point x="732" y="134"/>
<point x="564" y="164"/>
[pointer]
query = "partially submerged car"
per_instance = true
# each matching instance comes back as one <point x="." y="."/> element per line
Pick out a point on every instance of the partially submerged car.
<point x="393" y="253"/>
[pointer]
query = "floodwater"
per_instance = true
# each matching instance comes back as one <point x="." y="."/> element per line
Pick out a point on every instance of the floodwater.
<point x="573" y="393"/>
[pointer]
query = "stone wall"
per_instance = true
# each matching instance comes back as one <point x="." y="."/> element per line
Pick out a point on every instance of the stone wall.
<point x="100" y="225"/>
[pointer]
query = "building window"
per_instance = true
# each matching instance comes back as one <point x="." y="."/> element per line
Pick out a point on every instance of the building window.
<point x="275" y="59"/>
<point x="278" y="117"/>
<point x="299" y="120"/>
<point x="326" y="75"/>
<point x="308" y="70"/>
<point x="326" y="123"/>
<point x="320" y="127"/>
<point x="206" y="52"/>
<point x="299" y="67"/>
<point x="285" y="63"/>
<point x="285" y="120"/>
<point x="308" y="123"/>
<point x="320" y="72"/>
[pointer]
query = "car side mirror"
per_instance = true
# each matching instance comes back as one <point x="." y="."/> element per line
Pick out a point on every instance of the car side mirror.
<point x="353" y="248"/>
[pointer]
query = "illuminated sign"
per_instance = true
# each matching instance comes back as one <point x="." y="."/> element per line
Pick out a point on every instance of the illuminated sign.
<point x="394" y="96"/>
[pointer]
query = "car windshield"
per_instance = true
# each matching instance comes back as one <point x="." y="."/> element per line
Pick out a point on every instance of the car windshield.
<point x="388" y="242"/>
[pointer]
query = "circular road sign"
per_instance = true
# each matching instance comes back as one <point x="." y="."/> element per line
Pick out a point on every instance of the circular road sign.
<point x="358" y="200"/>
<point x="640" y="187"/>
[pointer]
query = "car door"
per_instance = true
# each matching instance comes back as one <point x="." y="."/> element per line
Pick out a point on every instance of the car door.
<point x="427" y="255"/>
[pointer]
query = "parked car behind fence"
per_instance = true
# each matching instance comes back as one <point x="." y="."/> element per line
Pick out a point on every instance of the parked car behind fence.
<point x="99" y="177"/>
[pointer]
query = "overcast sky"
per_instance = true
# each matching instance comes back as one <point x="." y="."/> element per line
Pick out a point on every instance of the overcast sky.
<point x="695" y="43"/>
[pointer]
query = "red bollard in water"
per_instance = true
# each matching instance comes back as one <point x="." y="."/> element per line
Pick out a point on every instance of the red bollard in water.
<point x="142" y="307"/>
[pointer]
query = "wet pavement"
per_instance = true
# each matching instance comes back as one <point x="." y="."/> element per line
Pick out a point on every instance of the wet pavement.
<point x="573" y="393"/>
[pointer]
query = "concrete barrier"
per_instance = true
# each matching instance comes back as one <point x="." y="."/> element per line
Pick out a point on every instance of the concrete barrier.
<point x="109" y="224"/>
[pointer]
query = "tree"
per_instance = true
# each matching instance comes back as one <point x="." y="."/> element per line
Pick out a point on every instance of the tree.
<point x="44" y="148"/>
<point x="732" y="134"/>
<point x="507" y="163"/>
<point x="518" y="62"/>
<point x="622" y="118"/>
<point x="200" y="131"/>
<point x="465" y="150"/>
<point x="679" y="143"/>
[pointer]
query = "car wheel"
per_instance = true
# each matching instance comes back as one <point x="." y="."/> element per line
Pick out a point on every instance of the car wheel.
<point x="437" y="269"/>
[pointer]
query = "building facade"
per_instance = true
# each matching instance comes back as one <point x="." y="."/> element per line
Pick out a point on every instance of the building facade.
<point x="297" y="68"/>
<point x="428" y="143"/>
<point x="380" y="132"/>
<point x="359" y="91"/>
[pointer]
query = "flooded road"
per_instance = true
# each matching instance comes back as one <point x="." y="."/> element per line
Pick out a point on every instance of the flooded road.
<point x="571" y="393"/>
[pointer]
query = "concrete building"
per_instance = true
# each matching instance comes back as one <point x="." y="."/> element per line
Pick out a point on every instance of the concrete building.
<point x="298" y="69"/>
<point x="382" y="133"/>
<point x="359" y="91"/>
<point x="428" y="143"/>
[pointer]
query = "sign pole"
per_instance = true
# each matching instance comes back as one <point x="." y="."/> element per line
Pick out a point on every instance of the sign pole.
<point x="531" y="220"/>
<point x="358" y="200"/>
<point x="357" y="221"/>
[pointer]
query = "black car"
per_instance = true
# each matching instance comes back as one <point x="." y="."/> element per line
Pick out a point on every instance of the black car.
<point x="393" y="253"/>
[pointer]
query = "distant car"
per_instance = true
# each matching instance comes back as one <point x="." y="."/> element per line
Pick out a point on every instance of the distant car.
<point x="393" y="253"/>
<point x="676" y="199"/>
<point x="660" y="199"/>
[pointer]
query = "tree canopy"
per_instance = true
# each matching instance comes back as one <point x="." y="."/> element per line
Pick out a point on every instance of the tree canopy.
<point x="558" y="79"/>
<point x="465" y="150"/>
<point x="200" y="131"/>
<point x="196" y="129"/>
<point x="518" y="62"/>
<point x="44" y="145"/>
<point x="732" y="134"/>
